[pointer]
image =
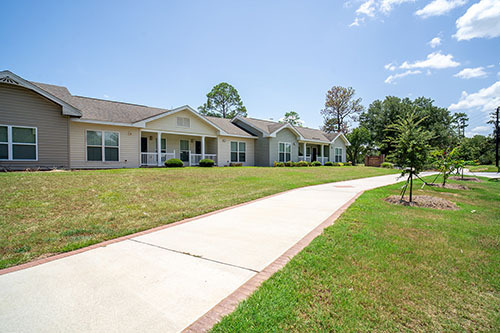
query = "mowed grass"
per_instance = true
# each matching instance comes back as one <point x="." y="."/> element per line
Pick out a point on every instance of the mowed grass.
<point x="483" y="168"/>
<point x="389" y="268"/>
<point x="43" y="213"/>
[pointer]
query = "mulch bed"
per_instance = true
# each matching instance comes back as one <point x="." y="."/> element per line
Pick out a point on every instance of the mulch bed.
<point x="450" y="186"/>
<point x="467" y="179"/>
<point x="423" y="201"/>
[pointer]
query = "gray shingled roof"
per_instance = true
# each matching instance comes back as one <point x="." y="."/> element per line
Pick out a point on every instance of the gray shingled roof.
<point x="103" y="110"/>
<point x="269" y="126"/>
<point x="227" y="126"/>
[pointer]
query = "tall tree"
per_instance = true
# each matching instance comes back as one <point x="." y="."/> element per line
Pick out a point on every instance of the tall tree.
<point x="381" y="114"/>
<point x="223" y="101"/>
<point x="461" y="121"/>
<point x="359" y="138"/>
<point x="292" y="118"/>
<point x="340" y="106"/>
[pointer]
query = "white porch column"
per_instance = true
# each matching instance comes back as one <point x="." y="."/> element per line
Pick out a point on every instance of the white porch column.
<point x="202" y="147"/>
<point x="158" y="147"/>
<point x="305" y="152"/>
<point x="323" y="153"/>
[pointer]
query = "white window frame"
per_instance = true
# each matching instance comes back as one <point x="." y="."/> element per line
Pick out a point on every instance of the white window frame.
<point x="10" y="143"/>
<point x="238" y="151"/>
<point x="284" y="152"/>
<point x="184" y="122"/>
<point x="340" y="150"/>
<point x="103" y="146"/>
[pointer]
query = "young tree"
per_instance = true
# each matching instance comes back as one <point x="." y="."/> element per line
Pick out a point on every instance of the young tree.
<point x="340" y="106"/>
<point x="292" y="118"/>
<point x="411" y="146"/>
<point x="359" y="138"/>
<point x="223" y="101"/>
<point x="445" y="162"/>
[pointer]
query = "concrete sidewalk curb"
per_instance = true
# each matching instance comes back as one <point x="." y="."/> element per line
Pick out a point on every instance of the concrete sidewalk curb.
<point x="229" y="304"/>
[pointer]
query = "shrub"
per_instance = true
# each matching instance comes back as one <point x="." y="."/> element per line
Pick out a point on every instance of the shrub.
<point x="316" y="163"/>
<point x="207" y="163"/>
<point x="387" y="165"/>
<point x="348" y="163"/>
<point x="337" y="164"/>
<point x="235" y="164"/>
<point x="288" y="164"/>
<point x="279" y="164"/>
<point x="329" y="163"/>
<point x="174" y="163"/>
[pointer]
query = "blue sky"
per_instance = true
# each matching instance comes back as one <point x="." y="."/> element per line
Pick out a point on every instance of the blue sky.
<point x="280" y="55"/>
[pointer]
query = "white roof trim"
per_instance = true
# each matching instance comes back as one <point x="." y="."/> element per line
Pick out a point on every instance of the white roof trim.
<point x="13" y="79"/>
<point x="102" y="122"/>
<point x="290" y="127"/>
<point x="347" y="143"/>
<point x="142" y="123"/>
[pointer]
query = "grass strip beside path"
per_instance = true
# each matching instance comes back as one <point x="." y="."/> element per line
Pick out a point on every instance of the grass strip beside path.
<point x="384" y="267"/>
<point x="43" y="213"/>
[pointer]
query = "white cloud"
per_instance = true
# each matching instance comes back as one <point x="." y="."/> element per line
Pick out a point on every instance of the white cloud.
<point x="367" y="8"/>
<point x="486" y="99"/>
<point x="356" y="22"/>
<point x="469" y="73"/>
<point x="434" y="60"/>
<point x="392" y="78"/>
<point x="436" y="41"/>
<point x="490" y="66"/>
<point x="386" y="6"/>
<point x="479" y="129"/>
<point x="390" y="67"/>
<point x="482" y="20"/>
<point x="439" y="7"/>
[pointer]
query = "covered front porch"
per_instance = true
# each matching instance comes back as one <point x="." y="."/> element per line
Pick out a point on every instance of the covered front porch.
<point x="314" y="152"/>
<point x="158" y="147"/>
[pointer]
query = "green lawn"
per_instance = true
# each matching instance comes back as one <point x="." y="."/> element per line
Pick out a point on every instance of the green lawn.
<point x="43" y="213"/>
<point x="383" y="267"/>
<point x="482" y="168"/>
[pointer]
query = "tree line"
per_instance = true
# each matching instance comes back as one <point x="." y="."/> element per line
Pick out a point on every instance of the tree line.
<point x="377" y="125"/>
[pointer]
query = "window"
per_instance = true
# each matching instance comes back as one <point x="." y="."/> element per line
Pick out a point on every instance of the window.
<point x="163" y="145"/>
<point x="184" y="150"/>
<point x="103" y="146"/>
<point x="18" y="143"/>
<point x="285" y="152"/>
<point x="238" y="151"/>
<point x="183" y="122"/>
<point x="338" y="154"/>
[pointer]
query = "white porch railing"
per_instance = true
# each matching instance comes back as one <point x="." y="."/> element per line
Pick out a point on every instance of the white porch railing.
<point x="149" y="159"/>
<point x="166" y="156"/>
<point x="196" y="158"/>
<point x="307" y="159"/>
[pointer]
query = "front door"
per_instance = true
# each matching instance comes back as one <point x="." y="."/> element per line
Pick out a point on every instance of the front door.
<point x="184" y="150"/>
<point x="144" y="145"/>
<point x="197" y="147"/>
<point x="314" y="155"/>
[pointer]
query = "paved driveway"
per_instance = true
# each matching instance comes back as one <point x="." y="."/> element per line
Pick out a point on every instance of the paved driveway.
<point x="165" y="280"/>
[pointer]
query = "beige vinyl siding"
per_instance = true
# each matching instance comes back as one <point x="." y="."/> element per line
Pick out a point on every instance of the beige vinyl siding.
<point x="224" y="150"/>
<point x="22" y="107"/>
<point x="128" y="153"/>
<point x="169" y="123"/>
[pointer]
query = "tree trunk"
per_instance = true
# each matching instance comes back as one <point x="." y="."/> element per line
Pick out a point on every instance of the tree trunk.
<point x="411" y="185"/>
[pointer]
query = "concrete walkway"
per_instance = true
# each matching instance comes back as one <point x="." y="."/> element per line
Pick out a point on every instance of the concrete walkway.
<point x="165" y="280"/>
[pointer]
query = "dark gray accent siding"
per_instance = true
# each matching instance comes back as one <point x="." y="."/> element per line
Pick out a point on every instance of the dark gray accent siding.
<point x="261" y="145"/>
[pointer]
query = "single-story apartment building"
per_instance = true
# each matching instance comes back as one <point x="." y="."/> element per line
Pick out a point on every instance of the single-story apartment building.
<point x="45" y="126"/>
